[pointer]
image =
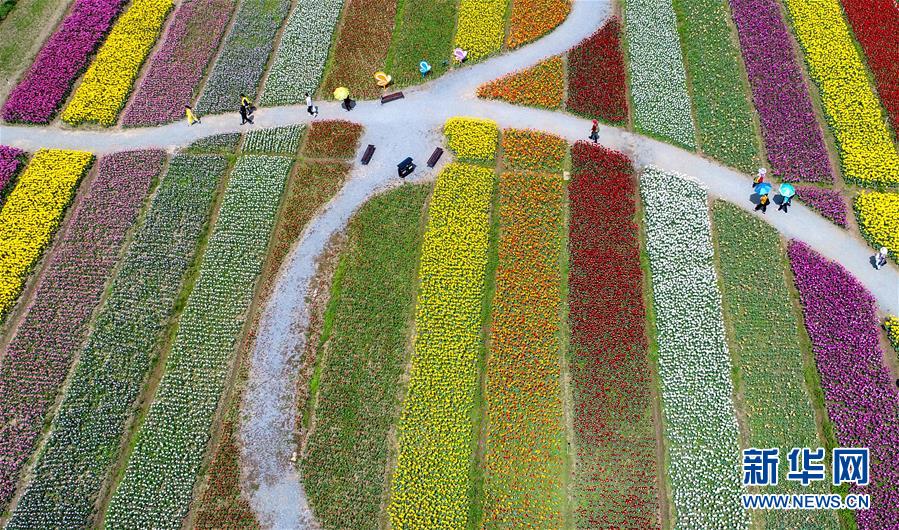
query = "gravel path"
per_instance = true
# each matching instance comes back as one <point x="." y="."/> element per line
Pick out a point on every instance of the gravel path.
<point x="411" y="127"/>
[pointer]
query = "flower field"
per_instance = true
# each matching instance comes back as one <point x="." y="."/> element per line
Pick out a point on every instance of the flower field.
<point x="867" y="151"/>
<point x="300" y="59"/>
<point x="793" y="138"/>
<point x="532" y="19"/>
<point x="596" y="76"/>
<point x="363" y="362"/>
<point x="115" y="361"/>
<point x="177" y="67"/>
<point x="107" y="82"/>
<point x="859" y="391"/>
<point x="219" y="144"/>
<point x="878" y="220"/>
<point x="10" y="162"/>
<point x="38" y="95"/>
<point x="694" y="362"/>
<point x="615" y="476"/>
<point x="424" y="31"/>
<point x="472" y="139"/>
<point x="481" y="27"/>
<point x="243" y="56"/>
<point x="720" y="99"/>
<point x="332" y="139"/>
<point x="657" y="75"/>
<point x="827" y="202"/>
<point x="765" y="345"/>
<point x="279" y="140"/>
<point x="525" y="460"/>
<point x="875" y="24"/>
<point x="892" y="325"/>
<point x="533" y="150"/>
<point x="31" y="214"/>
<point x="39" y="354"/>
<point x="170" y="444"/>
<point x="542" y="85"/>
<point x="431" y="479"/>
<point x="361" y="47"/>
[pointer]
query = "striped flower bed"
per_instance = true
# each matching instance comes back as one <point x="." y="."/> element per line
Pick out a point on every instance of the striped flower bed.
<point x="157" y="486"/>
<point x="10" y="162"/>
<point x="107" y="83"/>
<point x="38" y="357"/>
<point x="31" y="215"/>
<point x="878" y="219"/>
<point x="532" y="19"/>
<point x="93" y="413"/>
<point x="524" y="462"/>
<point x="875" y="23"/>
<point x="724" y="117"/>
<point x="542" y="85"/>
<point x="244" y="55"/>
<point x="300" y="59"/>
<point x="615" y="476"/>
<point x="859" y="389"/>
<point x="431" y="480"/>
<point x="658" y="78"/>
<point x="694" y="363"/>
<point x="61" y="60"/>
<point x="596" y="76"/>
<point x="793" y="138"/>
<point x="178" y="65"/>
<point x="827" y="202"/>
<point x="867" y="151"/>
<point x="481" y="27"/>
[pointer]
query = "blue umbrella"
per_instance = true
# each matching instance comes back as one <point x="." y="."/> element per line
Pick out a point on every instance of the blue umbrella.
<point x="763" y="188"/>
<point x="787" y="190"/>
<point x="424" y="68"/>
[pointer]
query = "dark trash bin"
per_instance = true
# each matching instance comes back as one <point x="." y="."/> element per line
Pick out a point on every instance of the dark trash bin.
<point x="405" y="167"/>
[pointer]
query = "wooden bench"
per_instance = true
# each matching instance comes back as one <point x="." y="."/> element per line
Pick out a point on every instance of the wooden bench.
<point x="366" y="156"/>
<point x="387" y="98"/>
<point x="435" y="156"/>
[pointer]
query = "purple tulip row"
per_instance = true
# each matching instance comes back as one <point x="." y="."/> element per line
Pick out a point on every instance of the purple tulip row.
<point x="10" y="160"/>
<point x="793" y="137"/>
<point x="39" y="355"/>
<point x="862" y="400"/>
<point x="177" y="68"/>
<point x="827" y="202"/>
<point x="61" y="60"/>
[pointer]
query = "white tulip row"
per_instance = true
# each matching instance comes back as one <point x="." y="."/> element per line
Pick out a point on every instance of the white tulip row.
<point x="114" y="364"/>
<point x="159" y="479"/>
<point x="301" y="56"/>
<point x="281" y="140"/>
<point x="694" y="363"/>
<point x="657" y="74"/>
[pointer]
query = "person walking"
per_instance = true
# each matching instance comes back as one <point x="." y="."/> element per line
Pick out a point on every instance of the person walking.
<point x="760" y="177"/>
<point x="594" y="132"/>
<point x="880" y="259"/>
<point x="310" y="108"/>
<point x="763" y="203"/>
<point x="348" y="103"/>
<point x="245" y="115"/>
<point x="245" y="102"/>
<point x="785" y="204"/>
<point x="191" y="117"/>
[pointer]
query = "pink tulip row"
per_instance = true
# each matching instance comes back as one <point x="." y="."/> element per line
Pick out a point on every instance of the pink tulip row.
<point x="40" y="352"/>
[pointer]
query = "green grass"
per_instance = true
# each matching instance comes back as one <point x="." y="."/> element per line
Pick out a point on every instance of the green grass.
<point x="359" y="385"/>
<point x="5" y="7"/>
<point x="765" y="345"/>
<point x="720" y="96"/>
<point x="20" y="30"/>
<point x="423" y="31"/>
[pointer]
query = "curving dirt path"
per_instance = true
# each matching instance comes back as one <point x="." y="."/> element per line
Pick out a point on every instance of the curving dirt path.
<point x="411" y="127"/>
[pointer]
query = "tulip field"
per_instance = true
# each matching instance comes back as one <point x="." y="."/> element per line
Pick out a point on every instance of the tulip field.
<point x="227" y="325"/>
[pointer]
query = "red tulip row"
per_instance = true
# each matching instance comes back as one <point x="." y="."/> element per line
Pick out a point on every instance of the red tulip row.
<point x="615" y="477"/>
<point x="876" y="26"/>
<point x="596" y="76"/>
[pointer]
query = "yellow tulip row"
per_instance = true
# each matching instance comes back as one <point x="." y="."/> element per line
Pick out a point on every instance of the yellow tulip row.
<point x="31" y="214"/>
<point x="472" y="139"/>
<point x="866" y="149"/>
<point x="878" y="219"/>
<point x="108" y="81"/>
<point x="481" y="27"/>
<point x="430" y="484"/>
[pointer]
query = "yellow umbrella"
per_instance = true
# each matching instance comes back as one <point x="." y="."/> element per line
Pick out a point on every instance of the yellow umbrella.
<point x="341" y="93"/>
<point x="383" y="79"/>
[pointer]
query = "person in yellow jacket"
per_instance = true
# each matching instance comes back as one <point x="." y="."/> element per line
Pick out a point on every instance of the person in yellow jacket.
<point x="191" y="117"/>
